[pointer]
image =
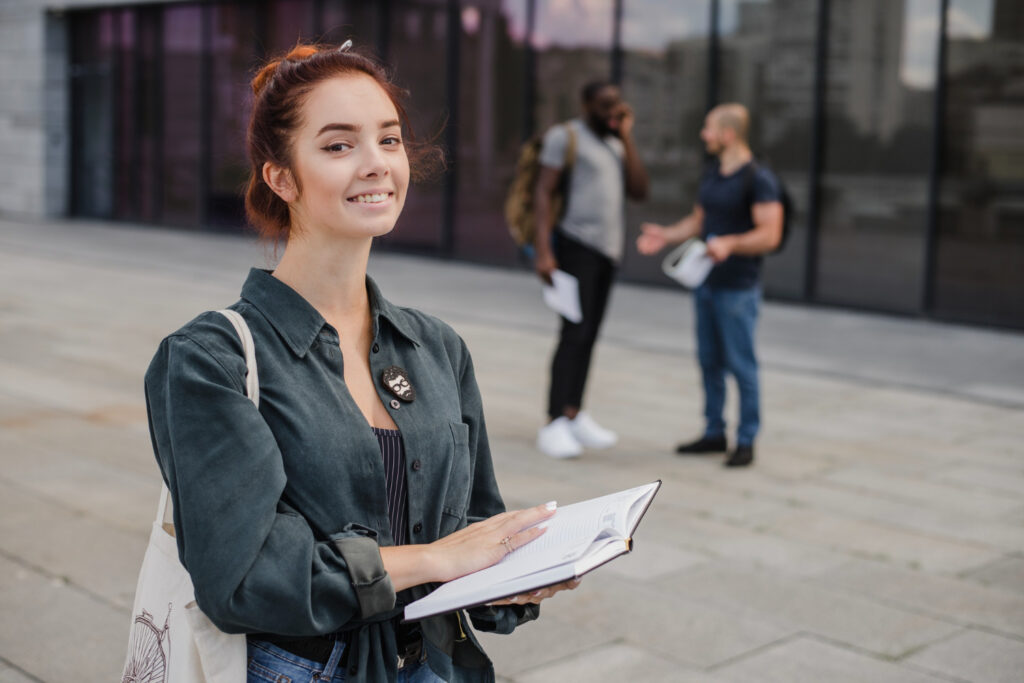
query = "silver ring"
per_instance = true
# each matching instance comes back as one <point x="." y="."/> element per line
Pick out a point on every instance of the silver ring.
<point x="507" y="542"/>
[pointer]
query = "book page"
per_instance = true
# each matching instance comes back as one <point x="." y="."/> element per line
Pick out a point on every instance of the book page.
<point x="570" y="532"/>
<point x="579" y="537"/>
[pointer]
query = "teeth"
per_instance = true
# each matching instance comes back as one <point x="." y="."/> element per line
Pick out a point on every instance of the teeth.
<point x="371" y="198"/>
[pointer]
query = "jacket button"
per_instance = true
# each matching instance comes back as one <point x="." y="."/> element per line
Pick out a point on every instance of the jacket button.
<point x="416" y="465"/>
<point x="376" y="348"/>
<point x="417" y="527"/>
<point x="395" y="403"/>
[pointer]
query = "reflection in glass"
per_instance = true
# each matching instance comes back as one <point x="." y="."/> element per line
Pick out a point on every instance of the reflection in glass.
<point x="573" y="42"/>
<point x="180" y="76"/>
<point x="980" y="251"/>
<point x="233" y="57"/>
<point x="491" y="101"/>
<point x="767" y="63"/>
<point x="417" y="54"/>
<point x="92" y="132"/>
<point x="664" y="50"/>
<point x="874" y="192"/>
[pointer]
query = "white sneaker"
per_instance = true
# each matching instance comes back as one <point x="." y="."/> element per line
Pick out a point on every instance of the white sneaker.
<point x="590" y="434"/>
<point x="555" y="439"/>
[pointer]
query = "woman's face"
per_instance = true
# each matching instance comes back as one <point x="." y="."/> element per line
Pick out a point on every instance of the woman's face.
<point x="350" y="160"/>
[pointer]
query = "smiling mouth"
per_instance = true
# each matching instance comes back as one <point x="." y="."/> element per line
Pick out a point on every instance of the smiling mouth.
<point x="372" y="198"/>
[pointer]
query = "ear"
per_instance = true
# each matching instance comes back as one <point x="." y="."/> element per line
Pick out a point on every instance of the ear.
<point x="281" y="181"/>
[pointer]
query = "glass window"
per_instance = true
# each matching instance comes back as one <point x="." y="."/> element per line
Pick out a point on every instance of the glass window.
<point x="979" y="273"/>
<point x="358" y="20"/>
<point x="573" y="42"/>
<point x="233" y="58"/>
<point x="418" y="50"/>
<point x="126" y="173"/>
<point x="181" y="77"/>
<point x="767" y="62"/>
<point x="492" y="99"/>
<point x="665" y="67"/>
<point x="92" y="100"/>
<point x="878" y="150"/>
<point x="288" y="22"/>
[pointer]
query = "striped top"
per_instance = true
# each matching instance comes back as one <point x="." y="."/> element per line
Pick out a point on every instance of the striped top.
<point x="393" y="452"/>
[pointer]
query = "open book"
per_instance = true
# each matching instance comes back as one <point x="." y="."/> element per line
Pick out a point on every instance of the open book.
<point x="579" y="538"/>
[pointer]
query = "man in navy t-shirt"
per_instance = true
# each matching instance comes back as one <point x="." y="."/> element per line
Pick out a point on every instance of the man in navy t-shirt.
<point x="739" y="215"/>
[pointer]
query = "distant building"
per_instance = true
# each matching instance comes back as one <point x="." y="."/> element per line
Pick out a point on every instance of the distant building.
<point x="903" y="147"/>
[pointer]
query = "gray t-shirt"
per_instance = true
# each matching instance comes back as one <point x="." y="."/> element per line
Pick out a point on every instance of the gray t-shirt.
<point x="595" y="213"/>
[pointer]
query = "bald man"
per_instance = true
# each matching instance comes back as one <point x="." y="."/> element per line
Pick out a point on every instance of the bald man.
<point x="739" y="215"/>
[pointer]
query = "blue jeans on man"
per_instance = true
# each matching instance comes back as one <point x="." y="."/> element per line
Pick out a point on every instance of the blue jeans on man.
<point x="726" y="319"/>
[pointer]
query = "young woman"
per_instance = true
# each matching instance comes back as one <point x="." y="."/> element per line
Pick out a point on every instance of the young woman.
<point x="364" y="477"/>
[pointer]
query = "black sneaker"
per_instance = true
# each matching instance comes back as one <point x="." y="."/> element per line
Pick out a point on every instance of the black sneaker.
<point x="741" y="457"/>
<point x="702" y="445"/>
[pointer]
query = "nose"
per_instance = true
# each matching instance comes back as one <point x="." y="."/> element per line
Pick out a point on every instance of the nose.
<point x="373" y="163"/>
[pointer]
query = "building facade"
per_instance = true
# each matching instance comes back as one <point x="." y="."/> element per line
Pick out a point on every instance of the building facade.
<point x="897" y="125"/>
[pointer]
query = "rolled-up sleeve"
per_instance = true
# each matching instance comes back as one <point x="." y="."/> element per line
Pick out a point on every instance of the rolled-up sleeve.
<point x="255" y="563"/>
<point x="358" y="546"/>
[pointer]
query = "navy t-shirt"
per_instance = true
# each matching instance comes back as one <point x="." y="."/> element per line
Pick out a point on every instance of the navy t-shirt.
<point x="727" y="210"/>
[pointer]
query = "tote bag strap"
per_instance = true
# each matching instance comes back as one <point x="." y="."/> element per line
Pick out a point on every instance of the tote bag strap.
<point x="252" y="390"/>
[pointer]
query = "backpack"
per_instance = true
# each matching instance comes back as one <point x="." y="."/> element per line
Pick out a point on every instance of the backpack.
<point x="785" y="198"/>
<point x="519" y="213"/>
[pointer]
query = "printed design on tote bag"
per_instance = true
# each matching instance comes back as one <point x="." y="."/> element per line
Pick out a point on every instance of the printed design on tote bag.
<point x="148" y="650"/>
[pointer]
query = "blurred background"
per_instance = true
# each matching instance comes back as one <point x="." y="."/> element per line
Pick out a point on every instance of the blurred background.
<point x="898" y="125"/>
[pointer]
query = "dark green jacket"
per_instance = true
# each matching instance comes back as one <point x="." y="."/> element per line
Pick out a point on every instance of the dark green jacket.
<point x="280" y="511"/>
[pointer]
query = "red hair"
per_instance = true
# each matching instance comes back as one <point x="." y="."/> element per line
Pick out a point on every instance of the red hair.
<point x="280" y="89"/>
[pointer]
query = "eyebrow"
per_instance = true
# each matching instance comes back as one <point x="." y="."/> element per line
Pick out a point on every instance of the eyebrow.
<point x="356" y="128"/>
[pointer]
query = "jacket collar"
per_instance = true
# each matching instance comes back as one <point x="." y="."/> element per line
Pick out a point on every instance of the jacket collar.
<point x="299" y="324"/>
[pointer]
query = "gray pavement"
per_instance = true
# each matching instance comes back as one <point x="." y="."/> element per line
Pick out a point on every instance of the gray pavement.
<point x="880" y="536"/>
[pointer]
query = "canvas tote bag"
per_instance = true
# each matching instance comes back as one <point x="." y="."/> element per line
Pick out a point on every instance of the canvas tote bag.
<point x="171" y="640"/>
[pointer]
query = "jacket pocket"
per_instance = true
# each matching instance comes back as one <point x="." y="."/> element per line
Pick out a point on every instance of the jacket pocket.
<point x="456" y="500"/>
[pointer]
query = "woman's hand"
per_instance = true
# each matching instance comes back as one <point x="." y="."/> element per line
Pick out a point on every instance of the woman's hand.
<point x="485" y="543"/>
<point x="536" y="596"/>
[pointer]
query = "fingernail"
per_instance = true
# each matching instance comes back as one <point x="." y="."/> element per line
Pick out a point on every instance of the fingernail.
<point x="551" y="505"/>
<point x="535" y="593"/>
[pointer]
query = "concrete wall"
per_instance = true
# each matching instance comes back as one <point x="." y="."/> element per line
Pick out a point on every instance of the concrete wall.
<point x="34" y="125"/>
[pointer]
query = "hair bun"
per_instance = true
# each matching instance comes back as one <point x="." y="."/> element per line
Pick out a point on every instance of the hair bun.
<point x="296" y="54"/>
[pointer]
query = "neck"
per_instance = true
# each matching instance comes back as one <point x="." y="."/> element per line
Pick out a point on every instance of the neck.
<point x="330" y="276"/>
<point x="733" y="157"/>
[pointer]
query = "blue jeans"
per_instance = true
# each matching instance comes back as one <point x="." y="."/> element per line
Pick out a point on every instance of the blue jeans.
<point x="268" y="662"/>
<point x="726" y="319"/>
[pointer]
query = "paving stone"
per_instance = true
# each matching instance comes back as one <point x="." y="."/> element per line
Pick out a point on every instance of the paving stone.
<point x="542" y="642"/>
<point x="1006" y="573"/>
<point x="52" y="616"/>
<point x="803" y="606"/>
<point x="984" y="504"/>
<point x="614" y="662"/>
<point x="73" y="438"/>
<point x="685" y="631"/>
<point x="875" y="540"/>
<point x="9" y="674"/>
<point x="803" y="660"/>
<point x="975" y="656"/>
<point x="957" y="600"/>
<point x="89" y="553"/>
<point x="1003" y="480"/>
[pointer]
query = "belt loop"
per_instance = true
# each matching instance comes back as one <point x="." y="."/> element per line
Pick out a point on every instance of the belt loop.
<point x="333" y="660"/>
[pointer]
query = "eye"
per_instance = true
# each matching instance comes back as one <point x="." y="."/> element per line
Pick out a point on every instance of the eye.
<point x="391" y="140"/>
<point x="337" y="147"/>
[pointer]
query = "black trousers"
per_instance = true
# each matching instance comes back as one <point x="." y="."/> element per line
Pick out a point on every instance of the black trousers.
<point x="571" y="362"/>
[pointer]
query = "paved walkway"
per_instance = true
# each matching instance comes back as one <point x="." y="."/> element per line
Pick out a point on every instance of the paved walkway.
<point x="880" y="536"/>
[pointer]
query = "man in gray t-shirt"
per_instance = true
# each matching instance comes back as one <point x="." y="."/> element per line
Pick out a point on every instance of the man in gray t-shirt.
<point x="586" y="241"/>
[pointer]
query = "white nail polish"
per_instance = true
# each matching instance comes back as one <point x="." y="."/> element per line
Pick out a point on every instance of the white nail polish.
<point x="551" y="505"/>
